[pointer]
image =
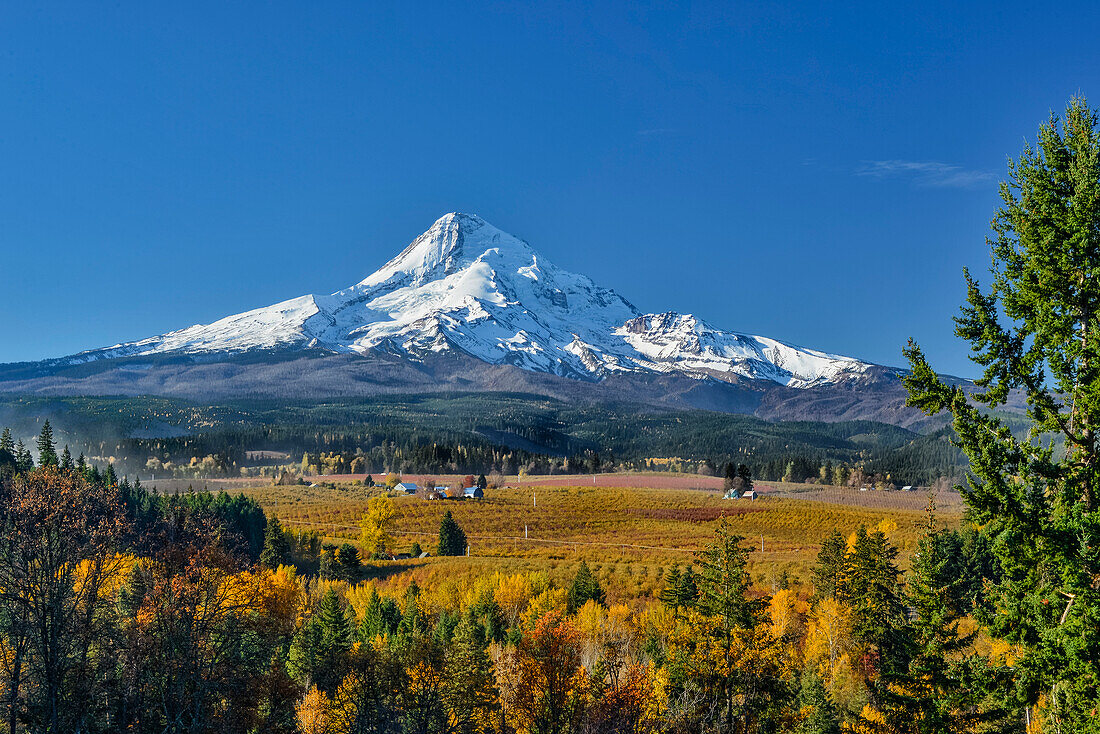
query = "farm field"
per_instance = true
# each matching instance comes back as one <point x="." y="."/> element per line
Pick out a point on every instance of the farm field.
<point x="631" y="533"/>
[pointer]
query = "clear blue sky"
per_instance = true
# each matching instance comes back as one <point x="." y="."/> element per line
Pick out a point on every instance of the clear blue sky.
<point x="816" y="173"/>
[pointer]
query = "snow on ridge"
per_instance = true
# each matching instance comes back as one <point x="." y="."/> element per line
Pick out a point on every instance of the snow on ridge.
<point x="464" y="284"/>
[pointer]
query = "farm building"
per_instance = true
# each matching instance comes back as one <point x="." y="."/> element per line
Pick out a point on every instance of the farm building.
<point x="407" y="487"/>
<point x="473" y="493"/>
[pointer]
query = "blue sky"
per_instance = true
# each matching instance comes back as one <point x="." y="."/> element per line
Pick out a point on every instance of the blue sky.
<point x="819" y="173"/>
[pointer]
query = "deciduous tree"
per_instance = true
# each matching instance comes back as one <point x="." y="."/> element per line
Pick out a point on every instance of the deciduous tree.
<point x="58" y="537"/>
<point x="375" y="525"/>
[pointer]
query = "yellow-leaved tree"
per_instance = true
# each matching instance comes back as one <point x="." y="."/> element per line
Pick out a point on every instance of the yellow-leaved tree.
<point x="375" y="525"/>
<point x="313" y="713"/>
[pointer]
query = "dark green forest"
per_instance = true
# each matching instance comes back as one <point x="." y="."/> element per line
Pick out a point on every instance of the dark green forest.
<point x="479" y="433"/>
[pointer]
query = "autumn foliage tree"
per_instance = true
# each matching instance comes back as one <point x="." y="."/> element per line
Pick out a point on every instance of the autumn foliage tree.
<point x="58" y="540"/>
<point x="547" y="689"/>
<point x="375" y="525"/>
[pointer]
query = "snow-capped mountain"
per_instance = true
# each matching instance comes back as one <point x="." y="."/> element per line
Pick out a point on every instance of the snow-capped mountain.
<point x="466" y="286"/>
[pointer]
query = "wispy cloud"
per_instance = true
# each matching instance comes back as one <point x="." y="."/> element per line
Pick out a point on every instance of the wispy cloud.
<point x="926" y="173"/>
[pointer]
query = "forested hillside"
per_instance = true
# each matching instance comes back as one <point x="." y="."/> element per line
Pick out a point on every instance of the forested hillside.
<point x="473" y="433"/>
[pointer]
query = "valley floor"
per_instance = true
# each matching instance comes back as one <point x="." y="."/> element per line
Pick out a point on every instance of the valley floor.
<point x="632" y="528"/>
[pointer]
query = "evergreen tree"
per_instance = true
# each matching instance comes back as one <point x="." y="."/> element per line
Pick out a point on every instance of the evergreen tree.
<point x="687" y="593"/>
<point x="47" y="451"/>
<point x="940" y="691"/>
<point x="829" y="571"/>
<point x="730" y="475"/>
<point x="723" y="581"/>
<point x="416" y="551"/>
<point x="276" y="548"/>
<point x="670" y="592"/>
<point x="24" y="462"/>
<point x="470" y="695"/>
<point x="336" y="628"/>
<point x="329" y="567"/>
<point x="350" y="565"/>
<point x="372" y="624"/>
<point x="412" y="623"/>
<point x="481" y="483"/>
<point x="132" y="594"/>
<point x="585" y="586"/>
<point x="7" y="445"/>
<point x="1034" y="331"/>
<point x="872" y="590"/>
<point x="7" y="452"/>
<point x="303" y="658"/>
<point x="319" y="652"/>
<point x="67" y="459"/>
<point x="745" y="475"/>
<point x="819" y="711"/>
<point x="390" y="615"/>
<point x="381" y="617"/>
<point x="452" y="541"/>
<point x="979" y="568"/>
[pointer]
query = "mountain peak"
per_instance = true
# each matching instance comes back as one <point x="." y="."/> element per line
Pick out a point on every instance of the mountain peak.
<point x="467" y="286"/>
<point x="452" y="242"/>
<point x="459" y="218"/>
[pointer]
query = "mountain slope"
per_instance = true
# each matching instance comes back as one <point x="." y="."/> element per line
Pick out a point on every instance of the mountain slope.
<point x="466" y="287"/>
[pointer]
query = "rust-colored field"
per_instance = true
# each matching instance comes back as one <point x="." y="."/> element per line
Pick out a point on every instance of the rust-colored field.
<point x="640" y="480"/>
<point x="693" y="514"/>
<point x="643" y="480"/>
<point x="631" y="533"/>
<point x="597" y="522"/>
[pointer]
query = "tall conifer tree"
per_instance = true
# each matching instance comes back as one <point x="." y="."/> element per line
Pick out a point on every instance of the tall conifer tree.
<point x="6" y="442"/>
<point x="871" y="588"/>
<point x="829" y="571"/>
<point x="670" y="591"/>
<point x="452" y="541"/>
<point x="47" y="450"/>
<point x="943" y="689"/>
<point x="67" y="459"/>
<point x="1035" y="330"/>
<point x="24" y="462"/>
